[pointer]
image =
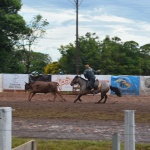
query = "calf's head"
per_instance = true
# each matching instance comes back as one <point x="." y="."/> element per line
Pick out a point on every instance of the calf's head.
<point x="27" y="86"/>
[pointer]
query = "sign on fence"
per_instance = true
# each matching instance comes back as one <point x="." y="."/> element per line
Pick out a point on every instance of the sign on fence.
<point x="128" y="85"/>
<point x="145" y="85"/>
<point x="14" y="81"/>
<point x="64" y="81"/>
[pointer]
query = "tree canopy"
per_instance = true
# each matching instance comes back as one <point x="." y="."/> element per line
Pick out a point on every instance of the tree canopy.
<point x="17" y="38"/>
<point x="111" y="56"/>
<point x="29" y="37"/>
<point x="11" y="24"/>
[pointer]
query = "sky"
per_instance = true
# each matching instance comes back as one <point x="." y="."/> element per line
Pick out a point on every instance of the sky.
<point x="126" y="19"/>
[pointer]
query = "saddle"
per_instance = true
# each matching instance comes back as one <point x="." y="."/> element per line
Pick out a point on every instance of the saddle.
<point x="97" y="84"/>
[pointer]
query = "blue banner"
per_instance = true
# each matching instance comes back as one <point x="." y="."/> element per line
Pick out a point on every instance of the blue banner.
<point x="128" y="85"/>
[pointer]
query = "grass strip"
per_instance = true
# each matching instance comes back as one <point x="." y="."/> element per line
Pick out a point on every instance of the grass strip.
<point x="43" y="144"/>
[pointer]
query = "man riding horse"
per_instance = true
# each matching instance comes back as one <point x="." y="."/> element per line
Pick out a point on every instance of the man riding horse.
<point x="89" y="73"/>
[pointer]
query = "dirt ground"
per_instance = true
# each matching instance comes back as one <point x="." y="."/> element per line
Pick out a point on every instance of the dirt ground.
<point x="41" y="118"/>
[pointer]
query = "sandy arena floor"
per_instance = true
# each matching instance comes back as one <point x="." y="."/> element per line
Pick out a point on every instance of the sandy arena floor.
<point x="59" y="127"/>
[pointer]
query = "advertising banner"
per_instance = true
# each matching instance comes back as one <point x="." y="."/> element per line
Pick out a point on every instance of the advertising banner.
<point x="128" y="85"/>
<point x="145" y="85"/>
<point x="14" y="81"/>
<point x="64" y="81"/>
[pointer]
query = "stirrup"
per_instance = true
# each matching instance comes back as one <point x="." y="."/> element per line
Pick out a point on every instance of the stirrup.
<point x="92" y="89"/>
<point x="93" y="92"/>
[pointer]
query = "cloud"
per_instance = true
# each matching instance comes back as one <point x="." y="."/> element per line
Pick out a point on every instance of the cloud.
<point x="102" y="20"/>
<point x="111" y="18"/>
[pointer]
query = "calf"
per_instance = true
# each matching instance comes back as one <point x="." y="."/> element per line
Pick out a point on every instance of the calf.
<point x="42" y="87"/>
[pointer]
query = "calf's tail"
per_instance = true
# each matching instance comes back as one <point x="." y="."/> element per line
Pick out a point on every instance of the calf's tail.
<point x="116" y="90"/>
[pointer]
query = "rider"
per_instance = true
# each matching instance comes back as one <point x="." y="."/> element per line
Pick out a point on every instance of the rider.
<point x="89" y="74"/>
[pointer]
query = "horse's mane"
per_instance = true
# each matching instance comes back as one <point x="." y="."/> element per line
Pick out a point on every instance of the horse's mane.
<point x="81" y="78"/>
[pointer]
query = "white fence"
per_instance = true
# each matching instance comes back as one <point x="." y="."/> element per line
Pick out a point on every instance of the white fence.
<point x="5" y="128"/>
<point x="138" y="85"/>
<point x="31" y="145"/>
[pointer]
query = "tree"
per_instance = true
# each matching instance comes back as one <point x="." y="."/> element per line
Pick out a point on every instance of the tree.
<point x="11" y="25"/>
<point x="89" y="48"/>
<point x="145" y="59"/>
<point x="110" y="55"/>
<point x="52" y="68"/>
<point x="67" y="62"/>
<point x="38" y="60"/>
<point x="29" y="37"/>
<point x="132" y="57"/>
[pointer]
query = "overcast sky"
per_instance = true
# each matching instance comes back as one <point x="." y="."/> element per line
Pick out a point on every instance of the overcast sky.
<point x="127" y="19"/>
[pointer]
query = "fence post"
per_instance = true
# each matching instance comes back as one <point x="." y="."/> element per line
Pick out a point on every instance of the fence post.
<point x="5" y="128"/>
<point x="129" y="135"/>
<point x="116" y="142"/>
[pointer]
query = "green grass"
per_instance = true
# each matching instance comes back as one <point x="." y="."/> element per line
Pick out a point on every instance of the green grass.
<point x="74" y="144"/>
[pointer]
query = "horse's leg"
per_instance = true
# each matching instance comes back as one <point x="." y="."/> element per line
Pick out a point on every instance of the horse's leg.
<point x="105" y="98"/>
<point x="102" y="96"/>
<point x="78" y="98"/>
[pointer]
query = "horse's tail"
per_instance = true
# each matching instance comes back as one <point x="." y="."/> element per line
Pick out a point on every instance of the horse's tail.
<point x="116" y="90"/>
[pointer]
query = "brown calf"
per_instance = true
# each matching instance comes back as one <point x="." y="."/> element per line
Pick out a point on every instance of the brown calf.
<point x="42" y="87"/>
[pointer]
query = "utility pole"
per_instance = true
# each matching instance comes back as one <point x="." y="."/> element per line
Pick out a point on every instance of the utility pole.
<point x="77" y="43"/>
<point x="77" y="36"/>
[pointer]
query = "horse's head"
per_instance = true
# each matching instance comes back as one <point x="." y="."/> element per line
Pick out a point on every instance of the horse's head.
<point x="74" y="81"/>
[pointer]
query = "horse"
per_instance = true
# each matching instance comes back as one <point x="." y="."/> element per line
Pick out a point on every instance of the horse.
<point x="100" y="87"/>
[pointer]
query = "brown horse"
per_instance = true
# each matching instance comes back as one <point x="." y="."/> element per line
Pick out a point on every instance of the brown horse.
<point x="100" y="87"/>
